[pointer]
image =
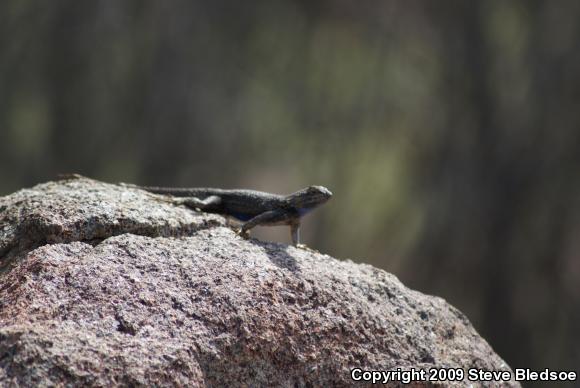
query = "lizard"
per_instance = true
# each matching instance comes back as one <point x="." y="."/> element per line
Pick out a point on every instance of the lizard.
<point x="250" y="207"/>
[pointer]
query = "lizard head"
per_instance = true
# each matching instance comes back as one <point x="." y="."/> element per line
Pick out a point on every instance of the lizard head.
<point x="310" y="197"/>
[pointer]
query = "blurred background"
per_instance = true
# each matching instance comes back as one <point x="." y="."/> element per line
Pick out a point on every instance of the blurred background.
<point x="448" y="131"/>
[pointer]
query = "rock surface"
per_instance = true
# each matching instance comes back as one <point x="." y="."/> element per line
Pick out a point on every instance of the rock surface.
<point x="102" y="285"/>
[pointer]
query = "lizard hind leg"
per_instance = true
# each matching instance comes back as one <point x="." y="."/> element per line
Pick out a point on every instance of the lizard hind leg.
<point x="270" y="217"/>
<point x="210" y="203"/>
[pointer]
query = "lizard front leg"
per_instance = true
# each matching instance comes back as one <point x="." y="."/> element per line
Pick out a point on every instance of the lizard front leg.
<point x="295" y="233"/>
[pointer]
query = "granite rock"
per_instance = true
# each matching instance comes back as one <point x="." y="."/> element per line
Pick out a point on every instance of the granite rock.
<point x="104" y="285"/>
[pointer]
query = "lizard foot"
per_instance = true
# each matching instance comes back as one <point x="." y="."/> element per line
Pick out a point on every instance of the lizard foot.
<point x="306" y="248"/>
<point x="243" y="233"/>
<point x="191" y="203"/>
<point x="68" y="176"/>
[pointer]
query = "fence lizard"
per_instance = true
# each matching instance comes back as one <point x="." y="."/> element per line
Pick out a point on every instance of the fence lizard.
<point x="250" y="207"/>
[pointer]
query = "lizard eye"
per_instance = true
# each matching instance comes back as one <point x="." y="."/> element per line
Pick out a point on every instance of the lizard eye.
<point x="320" y="190"/>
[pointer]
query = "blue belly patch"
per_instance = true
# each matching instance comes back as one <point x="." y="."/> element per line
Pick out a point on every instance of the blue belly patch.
<point x="304" y="210"/>
<point x="241" y="216"/>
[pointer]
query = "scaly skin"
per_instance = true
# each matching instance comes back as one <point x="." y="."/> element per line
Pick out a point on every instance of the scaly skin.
<point x="251" y="207"/>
